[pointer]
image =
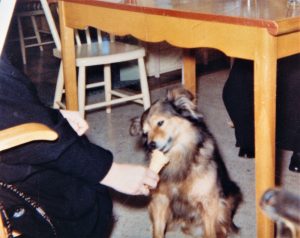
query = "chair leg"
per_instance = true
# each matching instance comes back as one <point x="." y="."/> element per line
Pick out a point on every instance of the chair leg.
<point x="144" y="83"/>
<point x="36" y="32"/>
<point x="22" y="41"/>
<point x="59" y="87"/>
<point x="81" y="90"/>
<point x="107" y="86"/>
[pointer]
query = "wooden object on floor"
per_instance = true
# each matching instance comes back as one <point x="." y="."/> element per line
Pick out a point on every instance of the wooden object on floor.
<point x="283" y="207"/>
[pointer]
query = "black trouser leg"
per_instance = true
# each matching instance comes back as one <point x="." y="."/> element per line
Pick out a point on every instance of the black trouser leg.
<point x="238" y="100"/>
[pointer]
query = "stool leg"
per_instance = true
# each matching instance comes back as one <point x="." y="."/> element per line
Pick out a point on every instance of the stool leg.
<point x="81" y="90"/>
<point x="107" y="86"/>
<point x="59" y="87"/>
<point x="21" y="38"/>
<point x="144" y="83"/>
<point x="36" y="32"/>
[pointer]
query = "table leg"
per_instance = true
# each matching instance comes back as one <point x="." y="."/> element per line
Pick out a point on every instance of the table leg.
<point x="68" y="57"/>
<point x="264" y="110"/>
<point x="189" y="70"/>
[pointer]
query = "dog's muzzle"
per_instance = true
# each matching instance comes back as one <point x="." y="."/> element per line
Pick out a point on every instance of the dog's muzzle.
<point x="152" y="145"/>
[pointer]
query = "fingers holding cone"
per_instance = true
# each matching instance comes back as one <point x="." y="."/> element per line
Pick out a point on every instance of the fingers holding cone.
<point x="157" y="161"/>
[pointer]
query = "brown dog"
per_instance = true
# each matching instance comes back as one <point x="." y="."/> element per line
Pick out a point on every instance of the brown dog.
<point x="195" y="190"/>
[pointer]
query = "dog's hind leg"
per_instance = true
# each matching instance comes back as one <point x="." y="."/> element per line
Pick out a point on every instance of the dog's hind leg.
<point x="209" y="227"/>
<point x="159" y="213"/>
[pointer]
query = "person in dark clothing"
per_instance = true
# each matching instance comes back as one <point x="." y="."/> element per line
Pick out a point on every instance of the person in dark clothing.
<point x="238" y="98"/>
<point x="68" y="178"/>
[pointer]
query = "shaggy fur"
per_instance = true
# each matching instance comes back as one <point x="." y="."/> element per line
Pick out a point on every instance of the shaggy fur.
<point x="195" y="190"/>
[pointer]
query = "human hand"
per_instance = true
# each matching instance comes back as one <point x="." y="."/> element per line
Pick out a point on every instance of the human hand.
<point x="75" y="120"/>
<point x="131" y="179"/>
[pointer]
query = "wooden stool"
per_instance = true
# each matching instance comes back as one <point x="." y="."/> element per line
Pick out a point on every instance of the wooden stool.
<point x="30" y="9"/>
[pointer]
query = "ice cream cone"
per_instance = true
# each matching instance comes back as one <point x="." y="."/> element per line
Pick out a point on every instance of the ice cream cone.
<point x="158" y="161"/>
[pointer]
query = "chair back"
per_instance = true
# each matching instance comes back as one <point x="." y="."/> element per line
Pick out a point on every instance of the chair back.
<point x="85" y="36"/>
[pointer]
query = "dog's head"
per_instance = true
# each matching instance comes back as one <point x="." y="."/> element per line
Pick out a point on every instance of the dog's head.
<point x="169" y="121"/>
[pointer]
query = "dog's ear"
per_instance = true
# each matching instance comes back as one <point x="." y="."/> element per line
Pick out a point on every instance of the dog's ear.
<point x="183" y="102"/>
<point x="135" y="127"/>
<point x="175" y="93"/>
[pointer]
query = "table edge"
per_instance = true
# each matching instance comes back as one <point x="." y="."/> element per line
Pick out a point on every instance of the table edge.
<point x="273" y="27"/>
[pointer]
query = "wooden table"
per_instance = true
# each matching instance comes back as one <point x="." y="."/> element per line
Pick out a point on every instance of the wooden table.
<point x="260" y="30"/>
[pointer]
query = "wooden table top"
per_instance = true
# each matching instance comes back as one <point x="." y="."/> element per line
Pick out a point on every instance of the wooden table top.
<point x="276" y="15"/>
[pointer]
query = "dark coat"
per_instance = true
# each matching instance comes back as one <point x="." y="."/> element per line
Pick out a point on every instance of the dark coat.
<point x="62" y="176"/>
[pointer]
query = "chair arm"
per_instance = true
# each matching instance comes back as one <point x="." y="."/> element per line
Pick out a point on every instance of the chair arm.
<point x="24" y="133"/>
<point x="18" y="135"/>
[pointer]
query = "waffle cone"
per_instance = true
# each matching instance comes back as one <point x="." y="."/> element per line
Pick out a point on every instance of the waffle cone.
<point x="158" y="161"/>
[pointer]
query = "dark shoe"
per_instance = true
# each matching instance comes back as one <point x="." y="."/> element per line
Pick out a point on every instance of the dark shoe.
<point x="246" y="153"/>
<point x="295" y="162"/>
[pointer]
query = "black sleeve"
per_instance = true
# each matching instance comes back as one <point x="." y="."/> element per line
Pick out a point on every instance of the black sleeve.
<point x="69" y="154"/>
<point x="84" y="160"/>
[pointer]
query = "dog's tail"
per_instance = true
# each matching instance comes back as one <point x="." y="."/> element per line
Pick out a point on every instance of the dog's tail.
<point x="234" y="192"/>
<point x="230" y="189"/>
<point x="238" y="199"/>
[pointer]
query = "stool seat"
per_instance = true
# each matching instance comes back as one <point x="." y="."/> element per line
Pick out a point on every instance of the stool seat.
<point x="104" y="53"/>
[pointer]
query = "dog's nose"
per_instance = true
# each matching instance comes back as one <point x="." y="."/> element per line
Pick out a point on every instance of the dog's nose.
<point x="151" y="145"/>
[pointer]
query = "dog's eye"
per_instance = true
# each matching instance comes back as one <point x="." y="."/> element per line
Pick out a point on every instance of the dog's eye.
<point x="160" y="123"/>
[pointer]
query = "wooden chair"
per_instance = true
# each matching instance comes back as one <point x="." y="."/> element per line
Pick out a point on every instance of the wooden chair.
<point x="103" y="53"/>
<point x="30" y="9"/>
<point x="18" y="135"/>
